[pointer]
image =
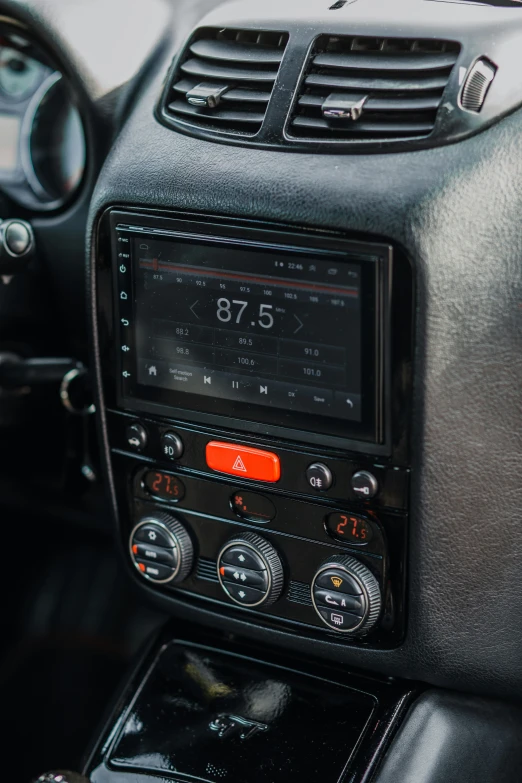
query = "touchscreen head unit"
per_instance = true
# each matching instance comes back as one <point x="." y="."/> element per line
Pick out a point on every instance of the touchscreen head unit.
<point x="284" y="335"/>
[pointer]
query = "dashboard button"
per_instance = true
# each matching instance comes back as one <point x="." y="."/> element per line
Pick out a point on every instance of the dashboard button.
<point x="156" y="554"/>
<point x="153" y="534"/>
<point x="364" y="485"/>
<point x="246" y="595"/>
<point x="334" y="600"/>
<point x="341" y="620"/>
<point x="243" y="461"/>
<point x="171" y="445"/>
<point x="17" y="238"/>
<point x="253" y="507"/>
<point x="319" y="476"/>
<point x="155" y="571"/>
<point x="136" y="436"/>
<point x="243" y="576"/>
<point x="338" y="581"/>
<point x="243" y="557"/>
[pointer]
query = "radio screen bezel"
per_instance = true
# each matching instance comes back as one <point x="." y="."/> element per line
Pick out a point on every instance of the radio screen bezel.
<point x="376" y="264"/>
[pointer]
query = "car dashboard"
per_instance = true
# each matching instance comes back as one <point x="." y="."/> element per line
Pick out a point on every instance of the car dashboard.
<point x="260" y="334"/>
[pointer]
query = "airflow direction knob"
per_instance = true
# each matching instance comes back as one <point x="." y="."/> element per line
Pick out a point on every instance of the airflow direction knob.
<point x="476" y="85"/>
<point x="250" y="571"/>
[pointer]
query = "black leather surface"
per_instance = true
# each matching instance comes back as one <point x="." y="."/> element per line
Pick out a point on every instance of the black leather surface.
<point x="457" y="211"/>
<point x="455" y="739"/>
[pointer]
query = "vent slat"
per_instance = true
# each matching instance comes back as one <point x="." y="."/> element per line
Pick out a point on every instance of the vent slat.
<point x="237" y="95"/>
<point x="359" y="128"/>
<point x="216" y="115"/>
<point x="232" y="75"/>
<point x="206" y="570"/>
<point x="233" y="52"/>
<point x="372" y="89"/>
<point x="206" y="70"/>
<point x="381" y="104"/>
<point x="372" y="83"/>
<point x="381" y="61"/>
<point x="299" y="593"/>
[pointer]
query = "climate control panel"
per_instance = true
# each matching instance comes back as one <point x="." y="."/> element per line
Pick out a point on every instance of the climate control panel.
<point x="317" y="560"/>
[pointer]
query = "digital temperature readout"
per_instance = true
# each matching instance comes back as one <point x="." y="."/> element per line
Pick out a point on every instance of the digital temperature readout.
<point x="164" y="486"/>
<point x="350" y="528"/>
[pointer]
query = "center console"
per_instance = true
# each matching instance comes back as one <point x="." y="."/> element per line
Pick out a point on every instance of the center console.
<point x="194" y="709"/>
<point x="255" y="390"/>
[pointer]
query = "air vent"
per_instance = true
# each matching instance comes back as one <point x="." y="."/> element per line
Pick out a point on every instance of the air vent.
<point x="225" y="79"/>
<point x="372" y="89"/>
<point x="299" y="593"/>
<point x="207" y="570"/>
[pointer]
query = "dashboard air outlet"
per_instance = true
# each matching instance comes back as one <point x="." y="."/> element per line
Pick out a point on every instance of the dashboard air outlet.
<point x="225" y="78"/>
<point x="372" y="89"/>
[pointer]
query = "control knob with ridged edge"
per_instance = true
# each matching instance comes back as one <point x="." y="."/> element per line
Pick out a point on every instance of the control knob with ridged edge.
<point x="250" y="571"/>
<point x="161" y="548"/>
<point x="346" y="595"/>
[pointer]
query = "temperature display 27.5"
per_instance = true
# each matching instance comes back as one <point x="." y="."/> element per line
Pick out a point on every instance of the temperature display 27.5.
<point x="165" y="486"/>
<point x="277" y="330"/>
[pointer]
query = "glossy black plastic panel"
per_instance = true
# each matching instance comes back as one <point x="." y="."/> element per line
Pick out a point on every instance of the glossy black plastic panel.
<point x="208" y="715"/>
<point x="393" y="482"/>
<point x="200" y="707"/>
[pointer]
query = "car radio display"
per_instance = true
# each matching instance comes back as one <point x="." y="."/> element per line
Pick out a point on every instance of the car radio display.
<point x="274" y="329"/>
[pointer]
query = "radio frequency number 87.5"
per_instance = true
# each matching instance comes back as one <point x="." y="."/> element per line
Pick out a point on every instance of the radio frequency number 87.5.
<point x="228" y="310"/>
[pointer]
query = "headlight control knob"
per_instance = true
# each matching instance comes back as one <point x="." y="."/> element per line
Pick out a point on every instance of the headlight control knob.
<point x="346" y="595"/>
<point x="161" y="549"/>
<point x="250" y="571"/>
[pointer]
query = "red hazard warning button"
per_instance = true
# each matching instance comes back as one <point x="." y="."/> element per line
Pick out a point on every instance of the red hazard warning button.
<point x="243" y="461"/>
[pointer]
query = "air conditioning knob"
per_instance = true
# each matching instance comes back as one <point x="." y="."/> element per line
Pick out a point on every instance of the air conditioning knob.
<point x="161" y="549"/>
<point x="250" y="571"/>
<point x="346" y="595"/>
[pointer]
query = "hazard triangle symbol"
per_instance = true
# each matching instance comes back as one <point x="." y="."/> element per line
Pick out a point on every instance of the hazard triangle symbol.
<point x="239" y="464"/>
